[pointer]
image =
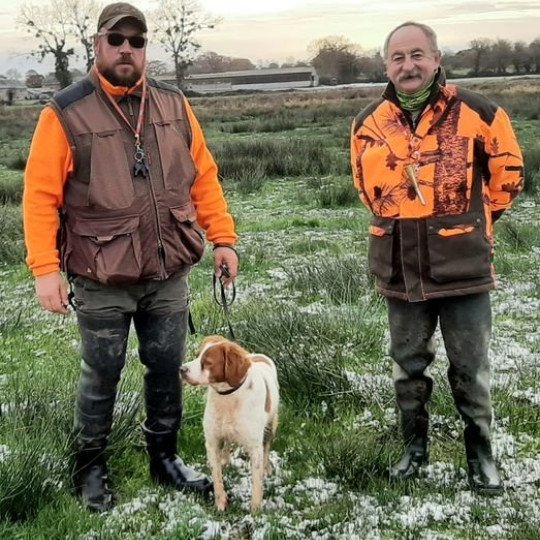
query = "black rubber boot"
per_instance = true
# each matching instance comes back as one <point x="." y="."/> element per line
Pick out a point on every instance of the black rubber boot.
<point x="483" y="474"/>
<point x="416" y="452"/>
<point x="91" y="480"/>
<point x="161" y="349"/>
<point x="414" y="426"/>
<point x="104" y="342"/>
<point x="409" y="464"/>
<point x="166" y="468"/>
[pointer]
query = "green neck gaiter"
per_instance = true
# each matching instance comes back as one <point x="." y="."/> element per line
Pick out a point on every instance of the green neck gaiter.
<point x="414" y="102"/>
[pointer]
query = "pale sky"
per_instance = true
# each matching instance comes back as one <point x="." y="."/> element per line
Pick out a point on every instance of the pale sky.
<point x="280" y="30"/>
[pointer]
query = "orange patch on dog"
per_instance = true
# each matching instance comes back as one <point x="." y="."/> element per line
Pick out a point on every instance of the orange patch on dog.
<point x="225" y="361"/>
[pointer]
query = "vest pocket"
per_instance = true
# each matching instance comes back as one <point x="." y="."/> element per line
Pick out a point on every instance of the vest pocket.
<point x="381" y="247"/>
<point x="176" y="160"/>
<point x="188" y="241"/>
<point x="106" y="250"/>
<point x="458" y="248"/>
<point x="111" y="185"/>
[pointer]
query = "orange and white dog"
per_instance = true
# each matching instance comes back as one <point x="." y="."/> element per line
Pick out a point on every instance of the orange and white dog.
<point x="241" y="408"/>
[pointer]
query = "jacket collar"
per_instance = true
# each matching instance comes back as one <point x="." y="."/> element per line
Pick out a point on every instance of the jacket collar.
<point x="439" y="83"/>
<point x="117" y="91"/>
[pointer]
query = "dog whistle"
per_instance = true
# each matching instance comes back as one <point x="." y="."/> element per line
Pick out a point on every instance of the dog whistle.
<point x="409" y="170"/>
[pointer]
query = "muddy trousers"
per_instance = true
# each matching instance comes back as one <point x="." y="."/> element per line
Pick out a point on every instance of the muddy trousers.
<point x="465" y="323"/>
<point x="104" y="341"/>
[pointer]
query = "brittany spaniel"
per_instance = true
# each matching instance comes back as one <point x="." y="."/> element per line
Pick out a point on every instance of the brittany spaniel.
<point x="241" y="408"/>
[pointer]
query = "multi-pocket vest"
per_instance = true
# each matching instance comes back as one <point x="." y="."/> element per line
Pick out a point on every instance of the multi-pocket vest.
<point x="118" y="227"/>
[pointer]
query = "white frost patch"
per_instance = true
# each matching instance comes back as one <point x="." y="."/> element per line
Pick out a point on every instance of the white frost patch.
<point x="4" y="452"/>
<point x="373" y="385"/>
<point x="530" y="394"/>
<point x="444" y="474"/>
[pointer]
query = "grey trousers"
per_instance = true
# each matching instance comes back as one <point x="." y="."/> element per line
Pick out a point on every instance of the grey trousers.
<point x="159" y="311"/>
<point x="465" y="323"/>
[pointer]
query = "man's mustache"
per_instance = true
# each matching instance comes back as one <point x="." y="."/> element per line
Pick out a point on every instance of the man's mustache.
<point x="409" y="76"/>
<point x="125" y="60"/>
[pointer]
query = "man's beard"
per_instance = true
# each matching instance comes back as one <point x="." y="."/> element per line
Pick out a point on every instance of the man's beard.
<point x="118" y="80"/>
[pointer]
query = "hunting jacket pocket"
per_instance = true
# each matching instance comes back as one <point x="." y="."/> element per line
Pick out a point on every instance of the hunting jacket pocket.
<point x="381" y="248"/>
<point x="105" y="250"/>
<point x="183" y="240"/>
<point x="458" y="247"/>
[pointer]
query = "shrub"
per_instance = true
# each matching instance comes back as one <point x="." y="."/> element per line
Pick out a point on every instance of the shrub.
<point x="261" y="125"/>
<point x="357" y="459"/>
<point x="26" y="481"/>
<point x="11" y="187"/>
<point x="343" y="280"/>
<point x="531" y="157"/>
<point x="11" y="235"/>
<point x="276" y="158"/>
<point x="336" y="194"/>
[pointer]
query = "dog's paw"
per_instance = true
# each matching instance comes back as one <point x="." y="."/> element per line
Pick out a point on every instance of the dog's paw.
<point x="255" y="506"/>
<point x="221" y="503"/>
<point x="225" y="458"/>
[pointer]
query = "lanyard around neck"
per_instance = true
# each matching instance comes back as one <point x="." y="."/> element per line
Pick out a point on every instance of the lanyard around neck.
<point x="138" y="128"/>
<point x="141" y="163"/>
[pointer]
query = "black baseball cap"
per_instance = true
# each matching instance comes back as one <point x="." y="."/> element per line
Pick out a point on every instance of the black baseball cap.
<point x="114" y="13"/>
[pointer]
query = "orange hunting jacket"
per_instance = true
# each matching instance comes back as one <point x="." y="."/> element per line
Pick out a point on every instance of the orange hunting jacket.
<point x="56" y="180"/>
<point x="434" y="189"/>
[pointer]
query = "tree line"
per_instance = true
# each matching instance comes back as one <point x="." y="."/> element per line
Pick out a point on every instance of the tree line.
<point x="339" y="60"/>
<point x="64" y="29"/>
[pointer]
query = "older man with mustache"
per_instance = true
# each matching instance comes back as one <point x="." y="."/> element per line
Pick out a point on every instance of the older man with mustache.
<point x="436" y="165"/>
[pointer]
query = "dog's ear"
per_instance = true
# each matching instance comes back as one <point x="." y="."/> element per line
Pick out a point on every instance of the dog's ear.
<point x="211" y="339"/>
<point x="237" y="364"/>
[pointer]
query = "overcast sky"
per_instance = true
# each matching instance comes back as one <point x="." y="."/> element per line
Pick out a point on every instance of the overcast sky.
<point x="280" y="30"/>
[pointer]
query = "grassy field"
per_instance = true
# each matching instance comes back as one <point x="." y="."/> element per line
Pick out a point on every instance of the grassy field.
<point x="304" y="298"/>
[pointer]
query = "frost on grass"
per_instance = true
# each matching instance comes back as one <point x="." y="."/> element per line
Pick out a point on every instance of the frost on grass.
<point x="4" y="452"/>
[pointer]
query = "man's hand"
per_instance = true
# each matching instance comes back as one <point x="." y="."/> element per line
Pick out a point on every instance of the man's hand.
<point x="225" y="256"/>
<point x="51" y="290"/>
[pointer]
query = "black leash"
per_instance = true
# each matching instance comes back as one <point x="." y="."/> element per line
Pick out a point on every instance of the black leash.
<point x="220" y="296"/>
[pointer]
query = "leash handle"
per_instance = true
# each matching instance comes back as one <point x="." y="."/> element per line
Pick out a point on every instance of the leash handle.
<point x="222" y="300"/>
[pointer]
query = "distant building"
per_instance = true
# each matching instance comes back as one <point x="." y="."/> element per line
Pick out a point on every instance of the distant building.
<point x="253" y="79"/>
<point x="11" y="90"/>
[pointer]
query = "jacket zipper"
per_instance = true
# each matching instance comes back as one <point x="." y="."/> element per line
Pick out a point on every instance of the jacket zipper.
<point x="161" y="250"/>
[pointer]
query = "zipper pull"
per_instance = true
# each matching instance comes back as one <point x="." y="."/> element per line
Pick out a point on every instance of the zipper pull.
<point x="130" y="106"/>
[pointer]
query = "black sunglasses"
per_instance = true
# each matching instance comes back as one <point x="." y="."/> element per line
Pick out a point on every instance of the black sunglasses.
<point x="115" y="39"/>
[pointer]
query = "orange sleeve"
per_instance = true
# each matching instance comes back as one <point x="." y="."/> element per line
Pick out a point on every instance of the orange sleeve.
<point x="505" y="163"/>
<point x="207" y="193"/>
<point x="49" y="163"/>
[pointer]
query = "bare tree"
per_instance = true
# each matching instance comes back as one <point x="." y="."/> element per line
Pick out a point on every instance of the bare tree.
<point x="534" y="54"/>
<point x="33" y="79"/>
<point x="480" y="48"/>
<point x="156" y="67"/>
<point x="13" y="74"/>
<point x="212" y="62"/>
<point x="335" y="58"/>
<point x="501" y="56"/>
<point x="83" y="15"/>
<point x="50" y="24"/>
<point x="177" y="23"/>
<point x="519" y="53"/>
<point x="372" y="68"/>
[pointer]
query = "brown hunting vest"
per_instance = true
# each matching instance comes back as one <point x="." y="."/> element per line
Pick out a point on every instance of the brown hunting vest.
<point x="118" y="228"/>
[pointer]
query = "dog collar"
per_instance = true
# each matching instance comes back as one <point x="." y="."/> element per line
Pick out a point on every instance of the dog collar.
<point x="231" y="390"/>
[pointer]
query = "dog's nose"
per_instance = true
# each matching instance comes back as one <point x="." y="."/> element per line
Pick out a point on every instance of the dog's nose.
<point x="183" y="370"/>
